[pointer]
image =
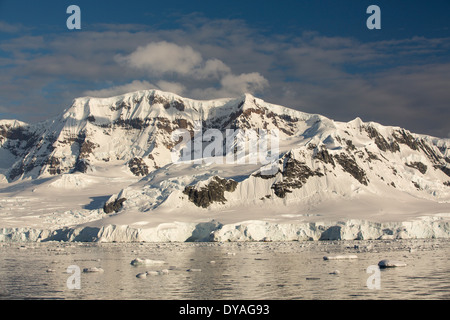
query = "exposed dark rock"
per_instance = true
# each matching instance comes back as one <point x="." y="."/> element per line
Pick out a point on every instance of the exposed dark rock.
<point x="213" y="192"/>
<point x="444" y="169"/>
<point x="403" y="137"/>
<point x="16" y="172"/>
<point x="13" y="139"/>
<point x="16" y="133"/>
<point x="324" y="156"/>
<point x="182" y="123"/>
<point x="247" y="112"/>
<point x="82" y="165"/>
<point x="295" y="174"/>
<point x="416" y="185"/>
<point x="288" y="118"/>
<point x="86" y="148"/>
<point x="431" y="154"/>
<point x="266" y="176"/>
<point x="114" y="206"/>
<point x="349" y="165"/>
<point x="138" y="167"/>
<point x="418" y="165"/>
<point x="380" y="141"/>
<point x="179" y="105"/>
<point x="121" y="105"/>
<point x="20" y="142"/>
<point x="155" y="99"/>
<point x="447" y="183"/>
<point x="350" y="145"/>
<point x="54" y="166"/>
<point x="280" y="189"/>
<point x="372" y="156"/>
<point x="134" y="123"/>
<point x="30" y="165"/>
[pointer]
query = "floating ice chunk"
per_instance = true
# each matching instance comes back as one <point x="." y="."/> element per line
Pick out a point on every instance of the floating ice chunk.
<point x="212" y="262"/>
<point x="390" y="264"/>
<point x="341" y="257"/>
<point x="194" y="270"/>
<point x="152" y="273"/>
<point x="50" y="270"/>
<point x="335" y="272"/>
<point x="146" y="262"/>
<point x="92" y="270"/>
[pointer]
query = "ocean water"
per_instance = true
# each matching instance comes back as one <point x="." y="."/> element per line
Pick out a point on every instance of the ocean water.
<point x="250" y="270"/>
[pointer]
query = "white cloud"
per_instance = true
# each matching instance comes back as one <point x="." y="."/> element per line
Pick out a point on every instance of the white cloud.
<point x="246" y="82"/>
<point x="6" y="27"/>
<point x="173" y="87"/>
<point x="163" y="57"/>
<point x="136" y="85"/>
<point x="213" y="68"/>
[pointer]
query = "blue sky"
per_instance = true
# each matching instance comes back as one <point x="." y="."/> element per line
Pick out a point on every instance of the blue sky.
<point x="314" y="56"/>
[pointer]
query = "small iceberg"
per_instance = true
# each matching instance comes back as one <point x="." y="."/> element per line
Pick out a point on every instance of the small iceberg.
<point x="146" y="262"/>
<point x="336" y="272"/>
<point x="390" y="264"/>
<point x="142" y="275"/>
<point x="341" y="257"/>
<point x="92" y="270"/>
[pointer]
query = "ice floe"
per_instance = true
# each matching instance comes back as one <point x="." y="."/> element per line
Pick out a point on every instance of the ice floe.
<point x="341" y="257"/>
<point x="146" y="262"/>
<point x="93" y="270"/>
<point x="391" y="264"/>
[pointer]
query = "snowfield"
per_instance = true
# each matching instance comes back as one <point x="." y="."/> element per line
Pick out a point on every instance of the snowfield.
<point x="103" y="171"/>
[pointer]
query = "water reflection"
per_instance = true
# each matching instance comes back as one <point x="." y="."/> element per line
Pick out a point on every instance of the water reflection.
<point x="294" y="270"/>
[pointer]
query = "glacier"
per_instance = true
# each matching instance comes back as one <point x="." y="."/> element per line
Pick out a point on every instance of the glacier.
<point x="214" y="231"/>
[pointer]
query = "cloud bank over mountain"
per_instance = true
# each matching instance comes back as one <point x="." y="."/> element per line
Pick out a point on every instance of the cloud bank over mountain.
<point x="398" y="81"/>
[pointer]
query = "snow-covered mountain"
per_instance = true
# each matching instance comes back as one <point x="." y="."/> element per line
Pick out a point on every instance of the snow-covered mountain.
<point x="364" y="167"/>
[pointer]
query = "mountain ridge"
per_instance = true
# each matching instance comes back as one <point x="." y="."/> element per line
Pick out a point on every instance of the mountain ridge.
<point x="103" y="170"/>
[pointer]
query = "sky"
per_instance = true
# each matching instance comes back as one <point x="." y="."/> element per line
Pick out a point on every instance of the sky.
<point x="314" y="56"/>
